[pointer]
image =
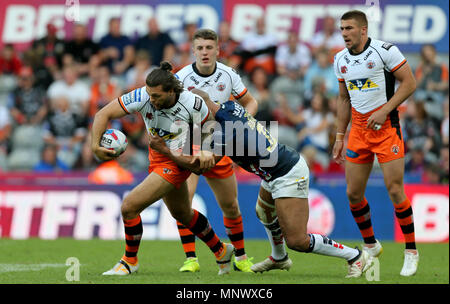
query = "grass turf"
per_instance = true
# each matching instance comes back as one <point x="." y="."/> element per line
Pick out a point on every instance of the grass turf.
<point x="35" y="261"/>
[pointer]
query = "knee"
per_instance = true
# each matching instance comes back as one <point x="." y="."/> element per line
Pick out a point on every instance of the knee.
<point x="127" y="210"/>
<point x="396" y="192"/>
<point x="230" y="208"/>
<point x="354" y="196"/>
<point x="182" y="216"/>
<point x="297" y="242"/>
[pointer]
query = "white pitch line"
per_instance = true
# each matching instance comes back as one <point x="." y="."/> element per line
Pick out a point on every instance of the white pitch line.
<point x="27" y="267"/>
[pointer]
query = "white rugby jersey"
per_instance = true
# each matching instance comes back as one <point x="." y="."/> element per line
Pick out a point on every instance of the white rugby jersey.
<point x="220" y="85"/>
<point x="188" y="109"/>
<point x="369" y="75"/>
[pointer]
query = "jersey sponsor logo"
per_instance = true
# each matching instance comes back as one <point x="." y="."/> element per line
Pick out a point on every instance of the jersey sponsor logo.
<point x="368" y="54"/>
<point x="206" y="84"/>
<point x="302" y="183"/>
<point x="387" y="45"/>
<point x="178" y="109"/>
<point x="127" y="99"/>
<point x="218" y="76"/>
<point x="363" y="84"/>
<point x="163" y="134"/>
<point x="197" y="103"/>
<point x="346" y="59"/>
<point x="194" y="80"/>
<point x="221" y="86"/>
<point x="370" y="64"/>
<point x="344" y="69"/>
<point x="356" y="62"/>
<point x="352" y="154"/>
<point x="149" y="115"/>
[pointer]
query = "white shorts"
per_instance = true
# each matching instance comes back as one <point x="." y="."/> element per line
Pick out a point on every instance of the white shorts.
<point x="295" y="183"/>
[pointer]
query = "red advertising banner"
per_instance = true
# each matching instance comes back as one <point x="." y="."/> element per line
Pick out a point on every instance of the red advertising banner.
<point x="431" y="210"/>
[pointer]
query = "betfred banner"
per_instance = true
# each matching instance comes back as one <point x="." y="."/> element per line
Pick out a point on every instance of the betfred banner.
<point x="430" y="206"/>
<point x="408" y="24"/>
<point x="23" y="21"/>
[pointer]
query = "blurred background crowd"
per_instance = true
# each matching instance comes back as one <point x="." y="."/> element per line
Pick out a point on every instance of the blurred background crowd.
<point x="50" y="93"/>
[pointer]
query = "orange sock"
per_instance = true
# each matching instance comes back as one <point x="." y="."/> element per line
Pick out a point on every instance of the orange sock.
<point x="200" y="226"/>
<point x="133" y="235"/>
<point x="404" y="214"/>
<point x="235" y="231"/>
<point x="187" y="240"/>
<point x="361" y="214"/>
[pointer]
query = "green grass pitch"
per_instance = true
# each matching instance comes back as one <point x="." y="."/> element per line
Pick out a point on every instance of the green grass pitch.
<point x="37" y="261"/>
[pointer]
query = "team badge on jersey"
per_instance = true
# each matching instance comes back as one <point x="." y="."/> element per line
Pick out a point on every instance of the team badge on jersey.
<point x="343" y="69"/>
<point x="395" y="149"/>
<point x="370" y="64"/>
<point x="221" y="86"/>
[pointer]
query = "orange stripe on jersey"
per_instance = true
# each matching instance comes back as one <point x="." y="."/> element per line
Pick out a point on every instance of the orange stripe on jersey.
<point x="122" y="105"/>
<point x="398" y="66"/>
<point x="206" y="118"/>
<point x="242" y="94"/>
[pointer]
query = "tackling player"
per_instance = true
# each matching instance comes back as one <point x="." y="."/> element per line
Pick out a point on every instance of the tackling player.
<point x="367" y="70"/>
<point x="163" y="103"/>
<point x="220" y="82"/>
<point x="285" y="180"/>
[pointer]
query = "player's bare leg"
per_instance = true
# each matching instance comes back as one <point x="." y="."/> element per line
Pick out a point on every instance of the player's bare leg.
<point x="151" y="189"/>
<point x="393" y="172"/>
<point x="293" y="216"/>
<point x="225" y="192"/>
<point x="356" y="176"/>
<point x="266" y="213"/>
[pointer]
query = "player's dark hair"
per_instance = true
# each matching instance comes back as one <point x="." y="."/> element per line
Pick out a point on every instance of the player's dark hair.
<point x="359" y="16"/>
<point x="206" y="34"/>
<point x="163" y="76"/>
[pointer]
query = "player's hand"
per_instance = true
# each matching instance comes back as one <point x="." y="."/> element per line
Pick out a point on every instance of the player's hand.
<point x="376" y="120"/>
<point x="205" y="159"/>
<point x="104" y="154"/>
<point x="338" y="155"/>
<point x="158" y="144"/>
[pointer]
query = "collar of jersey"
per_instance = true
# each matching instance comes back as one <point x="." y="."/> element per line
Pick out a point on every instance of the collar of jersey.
<point x="366" y="46"/>
<point x="194" y="67"/>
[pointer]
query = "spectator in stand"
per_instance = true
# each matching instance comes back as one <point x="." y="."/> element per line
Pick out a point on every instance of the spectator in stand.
<point x="103" y="90"/>
<point x="185" y="54"/>
<point x="329" y="38"/>
<point x="27" y="103"/>
<point x="49" y="49"/>
<point x="49" y="161"/>
<point x="227" y="45"/>
<point x="74" y="90"/>
<point x="136" y="75"/>
<point x="116" y="50"/>
<point x="432" y="81"/>
<point x="159" y="46"/>
<point x="258" y="87"/>
<point x="415" y="160"/>
<point x="66" y="130"/>
<point x="292" y="56"/>
<point x="320" y="77"/>
<point x="81" y="51"/>
<point x="421" y="131"/>
<point x="110" y="172"/>
<point x="10" y="62"/>
<point x="5" y="132"/>
<point x="445" y="123"/>
<point x="444" y="163"/>
<point x="258" y="49"/>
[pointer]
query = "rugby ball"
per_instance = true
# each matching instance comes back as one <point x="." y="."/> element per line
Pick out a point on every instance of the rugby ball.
<point x="114" y="139"/>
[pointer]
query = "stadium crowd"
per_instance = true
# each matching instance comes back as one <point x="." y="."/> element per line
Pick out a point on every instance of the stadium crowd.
<point x="50" y="93"/>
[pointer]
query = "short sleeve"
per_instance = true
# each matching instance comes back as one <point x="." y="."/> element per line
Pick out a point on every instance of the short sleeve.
<point x="393" y="58"/>
<point x="238" y="87"/>
<point x="337" y="72"/>
<point x="133" y="101"/>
